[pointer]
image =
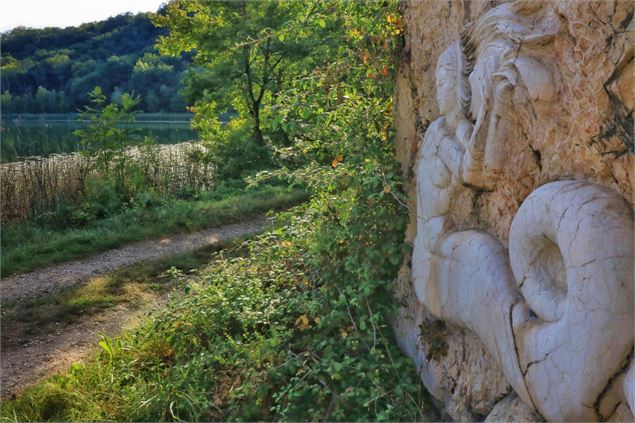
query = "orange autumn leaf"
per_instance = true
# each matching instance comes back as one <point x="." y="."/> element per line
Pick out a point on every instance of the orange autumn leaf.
<point x="365" y="57"/>
<point x="302" y="322"/>
<point x="394" y="20"/>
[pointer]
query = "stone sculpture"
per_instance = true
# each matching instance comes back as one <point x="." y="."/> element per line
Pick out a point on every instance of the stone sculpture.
<point x="555" y="308"/>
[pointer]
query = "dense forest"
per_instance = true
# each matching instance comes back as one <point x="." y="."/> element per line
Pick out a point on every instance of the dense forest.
<point x="52" y="70"/>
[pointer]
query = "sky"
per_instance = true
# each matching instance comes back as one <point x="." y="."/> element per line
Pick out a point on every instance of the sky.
<point x="63" y="13"/>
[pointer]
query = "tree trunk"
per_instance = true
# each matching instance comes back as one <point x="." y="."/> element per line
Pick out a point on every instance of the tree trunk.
<point x="257" y="133"/>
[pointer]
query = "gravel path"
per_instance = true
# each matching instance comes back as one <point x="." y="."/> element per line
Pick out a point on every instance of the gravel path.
<point x="26" y="359"/>
<point x="54" y="278"/>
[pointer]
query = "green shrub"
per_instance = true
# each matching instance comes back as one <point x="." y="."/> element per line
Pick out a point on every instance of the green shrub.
<point x="233" y="152"/>
<point x="261" y="334"/>
<point x="149" y="199"/>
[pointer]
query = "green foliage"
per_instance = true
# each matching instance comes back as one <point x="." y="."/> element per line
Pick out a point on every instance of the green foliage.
<point x="243" y="60"/>
<point x="106" y="136"/>
<point x="233" y="153"/>
<point x="296" y="325"/>
<point x="341" y="118"/>
<point x="50" y="70"/>
<point x="27" y="246"/>
<point x="101" y="200"/>
<point x="255" y="338"/>
<point x="115" y="167"/>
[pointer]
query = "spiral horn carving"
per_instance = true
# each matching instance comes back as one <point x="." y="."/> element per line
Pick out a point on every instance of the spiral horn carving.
<point x="571" y="252"/>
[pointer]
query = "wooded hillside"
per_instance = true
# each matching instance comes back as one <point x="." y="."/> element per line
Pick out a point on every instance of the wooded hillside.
<point x="51" y="70"/>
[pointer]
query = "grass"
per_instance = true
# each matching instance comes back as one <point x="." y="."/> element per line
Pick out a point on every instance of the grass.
<point x="26" y="247"/>
<point x="130" y="285"/>
<point x="252" y="337"/>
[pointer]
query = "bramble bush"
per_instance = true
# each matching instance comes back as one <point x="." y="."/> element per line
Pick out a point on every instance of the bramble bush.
<point x="257" y="335"/>
<point x="294" y="325"/>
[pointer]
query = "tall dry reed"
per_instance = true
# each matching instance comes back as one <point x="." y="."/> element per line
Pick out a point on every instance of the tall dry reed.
<point x="39" y="184"/>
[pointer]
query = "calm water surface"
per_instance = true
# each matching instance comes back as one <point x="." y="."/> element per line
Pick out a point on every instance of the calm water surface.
<point x="45" y="135"/>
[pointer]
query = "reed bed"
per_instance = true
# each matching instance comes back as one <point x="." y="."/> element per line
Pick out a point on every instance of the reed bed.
<point x="39" y="184"/>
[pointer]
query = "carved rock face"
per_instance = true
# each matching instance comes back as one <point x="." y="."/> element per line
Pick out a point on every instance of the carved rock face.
<point x="571" y="251"/>
<point x="529" y="252"/>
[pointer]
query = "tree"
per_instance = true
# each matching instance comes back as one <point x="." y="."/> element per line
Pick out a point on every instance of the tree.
<point x="242" y="48"/>
<point x="6" y="102"/>
<point x="104" y="137"/>
<point x="44" y="100"/>
<point x="153" y="102"/>
<point x="116" y="95"/>
<point x="26" y="103"/>
<point x="75" y="59"/>
<point x="60" y="65"/>
<point x="63" y="104"/>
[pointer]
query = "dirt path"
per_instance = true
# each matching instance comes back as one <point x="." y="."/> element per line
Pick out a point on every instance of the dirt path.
<point x="25" y="359"/>
<point x="54" y="278"/>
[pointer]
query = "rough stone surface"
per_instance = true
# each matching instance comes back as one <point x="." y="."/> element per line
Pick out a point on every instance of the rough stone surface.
<point x="511" y="409"/>
<point x="515" y="135"/>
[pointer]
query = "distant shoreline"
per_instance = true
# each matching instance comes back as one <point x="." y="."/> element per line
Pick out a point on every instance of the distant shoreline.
<point x="72" y="117"/>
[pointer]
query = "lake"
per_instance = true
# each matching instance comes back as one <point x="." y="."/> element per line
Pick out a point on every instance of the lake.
<point x="43" y="135"/>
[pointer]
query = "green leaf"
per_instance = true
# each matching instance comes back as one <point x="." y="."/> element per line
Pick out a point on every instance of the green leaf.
<point x="106" y="347"/>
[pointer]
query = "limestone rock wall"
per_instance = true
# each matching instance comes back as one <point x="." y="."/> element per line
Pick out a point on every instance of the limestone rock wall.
<point x="515" y="135"/>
